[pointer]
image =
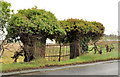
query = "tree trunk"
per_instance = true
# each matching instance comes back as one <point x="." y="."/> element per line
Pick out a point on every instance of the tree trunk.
<point x="75" y="49"/>
<point x="33" y="48"/>
<point x="39" y="48"/>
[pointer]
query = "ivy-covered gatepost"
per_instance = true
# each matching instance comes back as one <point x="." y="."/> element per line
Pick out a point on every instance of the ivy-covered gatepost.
<point x="79" y="33"/>
<point x="33" y="26"/>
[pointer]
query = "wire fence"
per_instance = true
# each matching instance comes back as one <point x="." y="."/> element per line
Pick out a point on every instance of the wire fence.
<point x="57" y="52"/>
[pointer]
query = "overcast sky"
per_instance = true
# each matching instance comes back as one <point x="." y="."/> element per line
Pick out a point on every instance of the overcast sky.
<point x="104" y="11"/>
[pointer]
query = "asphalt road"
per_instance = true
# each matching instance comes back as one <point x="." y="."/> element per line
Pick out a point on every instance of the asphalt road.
<point x="100" y="69"/>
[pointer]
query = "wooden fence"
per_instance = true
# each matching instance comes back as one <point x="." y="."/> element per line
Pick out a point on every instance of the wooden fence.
<point x="57" y="52"/>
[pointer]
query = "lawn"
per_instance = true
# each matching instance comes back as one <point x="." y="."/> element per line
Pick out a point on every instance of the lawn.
<point x="42" y="63"/>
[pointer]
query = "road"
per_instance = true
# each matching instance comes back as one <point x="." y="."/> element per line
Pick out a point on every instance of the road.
<point x="99" y="69"/>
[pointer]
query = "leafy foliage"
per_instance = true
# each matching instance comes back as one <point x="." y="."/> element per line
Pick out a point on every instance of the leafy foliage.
<point x="80" y="29"/>
<point x="34" y="22"/>
<point x="98" y="31"/>
<point x="4" y="13"/>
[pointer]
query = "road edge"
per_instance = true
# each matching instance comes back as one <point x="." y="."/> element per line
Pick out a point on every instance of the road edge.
<point x="58" y="68"/>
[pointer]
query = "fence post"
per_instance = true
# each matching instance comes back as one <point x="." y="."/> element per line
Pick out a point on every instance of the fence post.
<point x="60" y="53"/>
<point x="0" y="47"/>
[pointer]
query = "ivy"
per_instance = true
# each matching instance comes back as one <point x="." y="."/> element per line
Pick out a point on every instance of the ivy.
<point x="82" y="30"/>
<point x="34" y="22"/>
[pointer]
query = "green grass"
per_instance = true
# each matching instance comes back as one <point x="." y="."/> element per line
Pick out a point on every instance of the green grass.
<point x="38" y="63"/>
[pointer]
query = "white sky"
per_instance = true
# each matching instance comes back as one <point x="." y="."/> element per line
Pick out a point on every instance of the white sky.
<point x="104" y="11"/>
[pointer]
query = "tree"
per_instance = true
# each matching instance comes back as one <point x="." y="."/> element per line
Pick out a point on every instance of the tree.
<point x="4" y="17"/>
<point x="79" y="33"/>
<point x="4" y="14"/>
<point x="32" y="27"/>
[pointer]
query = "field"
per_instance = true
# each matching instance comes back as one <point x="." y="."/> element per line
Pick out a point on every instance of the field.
<point x="9" y="52"/>
<point x="8" y="65"/>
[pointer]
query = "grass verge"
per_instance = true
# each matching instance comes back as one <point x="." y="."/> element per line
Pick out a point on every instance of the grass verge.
<point x="43" y="63"/>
